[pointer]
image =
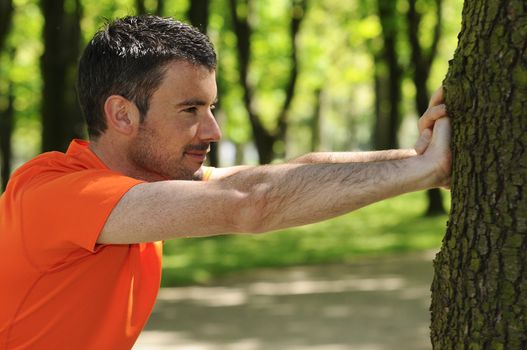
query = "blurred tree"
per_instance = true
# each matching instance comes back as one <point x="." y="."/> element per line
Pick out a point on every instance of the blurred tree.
<point x="140" y="5"/>
<point x="479" y="292"/>
<point x="61" y="116"/>
<point x="388" y="79"/>
<point x="316" y="120"/>
<point x="198" y="14"/>
<point x="265" y="140"/>
<point x="6" y="19"/>
<point x="7" y="111"/>
<point x="6" y="129"/>
<point x="422" y="59"/>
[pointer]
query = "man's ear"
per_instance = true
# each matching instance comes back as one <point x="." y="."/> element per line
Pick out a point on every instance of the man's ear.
<point x="121" y="115"/>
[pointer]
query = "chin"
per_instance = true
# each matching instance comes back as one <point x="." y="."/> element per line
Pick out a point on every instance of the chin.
<point x="186" y="174"/>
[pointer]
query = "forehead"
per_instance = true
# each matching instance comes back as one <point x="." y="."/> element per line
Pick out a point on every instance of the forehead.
<point x="188" y="74"/>
<point x="185" y="81"/>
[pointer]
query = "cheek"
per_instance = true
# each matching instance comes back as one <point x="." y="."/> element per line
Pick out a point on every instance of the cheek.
<point x="186" y="132"/>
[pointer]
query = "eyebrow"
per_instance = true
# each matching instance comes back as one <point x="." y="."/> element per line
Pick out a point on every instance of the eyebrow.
<point x="195" y="102"/>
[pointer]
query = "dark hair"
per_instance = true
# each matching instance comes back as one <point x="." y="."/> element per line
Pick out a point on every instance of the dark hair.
<point x="128" y="57"/>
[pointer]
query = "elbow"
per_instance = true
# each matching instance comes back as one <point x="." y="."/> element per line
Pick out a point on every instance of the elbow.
<point x="252" y="211"/>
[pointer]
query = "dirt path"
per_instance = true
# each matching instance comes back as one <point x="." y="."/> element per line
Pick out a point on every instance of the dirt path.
<point x="372" y="304"/>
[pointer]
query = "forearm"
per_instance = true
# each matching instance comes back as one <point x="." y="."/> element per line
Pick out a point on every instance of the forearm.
<point x="353" y="157"/>
<point x="297" y="194"/>
<point x="328" y="158"/>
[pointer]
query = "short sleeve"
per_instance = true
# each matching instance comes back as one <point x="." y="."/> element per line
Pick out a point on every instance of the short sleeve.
<point x="63" y="215"/>
<point x="207" y="172"/>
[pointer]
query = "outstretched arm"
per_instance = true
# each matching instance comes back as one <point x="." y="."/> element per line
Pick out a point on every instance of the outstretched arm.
<point x="271" y="197"/>
<point x="436" y="110"/>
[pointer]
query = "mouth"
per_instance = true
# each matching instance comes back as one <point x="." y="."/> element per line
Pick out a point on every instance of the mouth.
<point x="198" y="156"/>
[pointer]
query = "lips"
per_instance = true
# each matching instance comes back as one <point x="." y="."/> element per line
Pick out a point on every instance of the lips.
<point x="199" y="156"/>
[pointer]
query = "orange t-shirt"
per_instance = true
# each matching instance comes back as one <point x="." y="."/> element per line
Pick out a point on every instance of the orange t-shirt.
<point x="59" y="289"/>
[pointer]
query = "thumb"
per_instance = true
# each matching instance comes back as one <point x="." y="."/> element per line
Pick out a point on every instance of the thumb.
<point x="442" y="132"/>
<point x="424" y="140"/>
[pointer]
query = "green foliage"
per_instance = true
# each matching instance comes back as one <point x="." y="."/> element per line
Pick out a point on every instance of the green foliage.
<point x="24" y="73"/>
<point x="395" y="225"/>
<point x="335" y="45"/>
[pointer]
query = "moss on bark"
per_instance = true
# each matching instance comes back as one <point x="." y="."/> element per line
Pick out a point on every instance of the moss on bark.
<point x="479" y="292"/>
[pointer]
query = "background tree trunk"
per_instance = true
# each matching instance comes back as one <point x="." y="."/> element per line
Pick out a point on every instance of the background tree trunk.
<point x="6" y="19"/>
<point x="479" y="292"/>
<point x="7" y="118"/>
<point x="422" y="60"/>
<point x="61" y="116"/>
<point x="198" y="14"/>
<point x="265" y="139"/>
<point x="388" y="79"/>
<point x="7" y="113"/>
<point x="316" y="121"/>
<point x="140" y="6"/>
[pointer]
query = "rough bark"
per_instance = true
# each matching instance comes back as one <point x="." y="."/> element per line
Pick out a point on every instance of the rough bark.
<point x="479" y="292"/>
<point x="61" y="116"/>
<point x="422" y="59"/>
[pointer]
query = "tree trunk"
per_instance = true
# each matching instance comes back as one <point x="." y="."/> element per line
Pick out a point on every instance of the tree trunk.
<point x="61" y="116"/>
<point x="298" y="10"/>
<point x="141" y="7"/>
<point x="160" y="8"/>
<point x="6" y="17"/>
<point x="198" y="14"/>
<point x="389" y="75"/>
<point x="479" y="292"/>
<point x="265" y="139"/>
<point x="7" y="114"/>
<point x="315" y="121"/>
<point x="6" y="130"/>
<point x="422" y="60"/>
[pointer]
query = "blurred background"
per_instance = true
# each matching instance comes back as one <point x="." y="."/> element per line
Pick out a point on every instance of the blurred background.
<point x="294" y="76"/>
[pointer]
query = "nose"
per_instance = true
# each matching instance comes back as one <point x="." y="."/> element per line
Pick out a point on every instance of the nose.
<point x="209" y="129"/>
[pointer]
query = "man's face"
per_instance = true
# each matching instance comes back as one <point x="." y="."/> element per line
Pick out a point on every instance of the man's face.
<point x="174" y="139"/>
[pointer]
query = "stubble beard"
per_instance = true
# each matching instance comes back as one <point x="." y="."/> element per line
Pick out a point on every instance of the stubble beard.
<point x="154" y="163"/>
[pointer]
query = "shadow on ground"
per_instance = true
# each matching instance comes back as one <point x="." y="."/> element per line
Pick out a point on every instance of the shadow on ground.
<point x="372" y="304"/>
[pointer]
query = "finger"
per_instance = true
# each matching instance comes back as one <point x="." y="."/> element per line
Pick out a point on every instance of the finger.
<point x="430" y="116"/>
<point x="442" y="131"/>
<point x="437" y="97"/>
<point x="424" y="140"/>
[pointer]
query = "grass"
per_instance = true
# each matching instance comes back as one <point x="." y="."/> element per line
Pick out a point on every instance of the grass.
<point x="391" y="226"/>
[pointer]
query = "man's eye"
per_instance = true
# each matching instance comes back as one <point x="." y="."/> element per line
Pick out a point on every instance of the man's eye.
<point x="212" y="107"/>
<point x="191" y="110"/>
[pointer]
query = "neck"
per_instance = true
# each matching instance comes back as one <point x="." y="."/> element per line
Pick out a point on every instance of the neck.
<point x="114" y="155"/>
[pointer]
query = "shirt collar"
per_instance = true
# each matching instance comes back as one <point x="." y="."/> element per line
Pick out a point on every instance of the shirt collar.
<point x="79" y="150"/>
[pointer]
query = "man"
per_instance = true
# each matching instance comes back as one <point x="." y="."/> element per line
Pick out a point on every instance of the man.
<point x="81" y="232"/>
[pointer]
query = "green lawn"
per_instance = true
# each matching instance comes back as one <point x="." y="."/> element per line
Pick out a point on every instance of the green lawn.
<point x="395" y="225"/>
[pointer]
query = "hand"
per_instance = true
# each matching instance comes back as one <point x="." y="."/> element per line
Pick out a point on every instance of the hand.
<point x="438" y="152"/>
<point x="436" y="110"/>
